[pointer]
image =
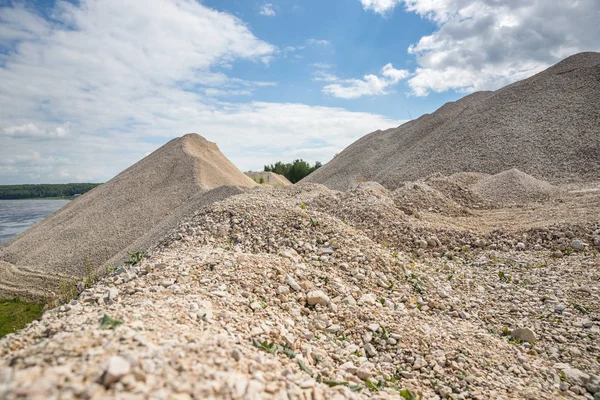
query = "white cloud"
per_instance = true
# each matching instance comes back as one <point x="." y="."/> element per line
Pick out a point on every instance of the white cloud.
<point x="487" y="44"/>
<point x="318" y="42"/>
<point x="380" y="6"/>
<point x="267" y="10"/>
<point x="32" y="131"/>
<point x="110" y="81"/>
<point x="370" y="85"/>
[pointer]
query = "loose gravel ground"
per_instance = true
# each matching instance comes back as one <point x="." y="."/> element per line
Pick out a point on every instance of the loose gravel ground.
<point x="305" y="293"/>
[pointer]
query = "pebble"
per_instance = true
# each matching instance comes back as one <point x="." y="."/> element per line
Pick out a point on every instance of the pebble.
<point x="524" y="335"/>
<point x="117" y="368"/>
<point x="317" y="297"/>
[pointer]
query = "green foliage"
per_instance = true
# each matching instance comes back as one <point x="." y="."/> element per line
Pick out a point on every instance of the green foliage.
<point x="109" y="323"/>
<point x="67" y="290"/>
<point x="304" y="368"/>
<point x="261" y="180"/>
<point x="582" y="309"/>
<point x="407" y="394"/>
<point x="13" y="192"/>
<point x="415" y="282"/>
<point x="295" y="171"/>
<point x="270" y="348"/>
<point x="503" y="277"/>
<point x="135" y="258"/>
<point x="16" y="313"/>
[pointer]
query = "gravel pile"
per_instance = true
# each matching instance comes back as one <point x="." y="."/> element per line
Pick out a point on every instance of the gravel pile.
<point x="290" y="293"/>
<point x="514" y="186"/>
<point x="547" y="126"/>
<point x="269" y="178"/>
<point x="104" y="222"/>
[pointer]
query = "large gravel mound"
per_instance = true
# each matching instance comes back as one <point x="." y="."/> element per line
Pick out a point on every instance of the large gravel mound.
<point x="513" y="186"/>
<point x="127" y="210"/>
<point x="547" y="126"/>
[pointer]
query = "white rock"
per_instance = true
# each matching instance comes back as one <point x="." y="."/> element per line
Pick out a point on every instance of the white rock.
<point x="368" y="298"/>
<point x="292" y="283"/>
<point x="117" y="368"/>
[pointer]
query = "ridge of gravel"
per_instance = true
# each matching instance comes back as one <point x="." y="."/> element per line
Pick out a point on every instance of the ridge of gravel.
<point x="302" y="292"/>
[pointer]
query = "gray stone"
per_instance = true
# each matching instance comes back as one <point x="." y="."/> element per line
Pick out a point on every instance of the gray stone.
<point x="593" y="384"/>
<point x="575" y="376"/>
<point x="577" y="244"/>
<point x="292" y="283"/>
<point x="370" y="349"/>
<point x="524" y="335"/>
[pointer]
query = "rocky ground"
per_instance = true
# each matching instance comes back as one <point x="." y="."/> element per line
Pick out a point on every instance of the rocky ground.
<point x="305" y="293"/>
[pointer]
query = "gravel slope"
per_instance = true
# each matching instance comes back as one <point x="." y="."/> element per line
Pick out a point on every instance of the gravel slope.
<point x="301" y="292"/>
<point x="547" y="126"/>
<point x="110" y="218"/>
<point x="270" y="178"/>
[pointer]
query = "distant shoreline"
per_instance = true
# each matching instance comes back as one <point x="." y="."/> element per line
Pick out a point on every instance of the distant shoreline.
<point x="60" y="191"/>
<point x="41" y="198"/>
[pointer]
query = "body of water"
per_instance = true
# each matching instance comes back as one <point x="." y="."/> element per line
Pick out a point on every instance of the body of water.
<point x="18" y="215"/>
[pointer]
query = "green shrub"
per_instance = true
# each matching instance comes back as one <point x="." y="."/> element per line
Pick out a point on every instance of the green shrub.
<point x="16" y="313"/>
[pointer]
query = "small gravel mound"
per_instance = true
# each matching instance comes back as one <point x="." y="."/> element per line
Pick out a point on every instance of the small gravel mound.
<point x="514" y="186"/>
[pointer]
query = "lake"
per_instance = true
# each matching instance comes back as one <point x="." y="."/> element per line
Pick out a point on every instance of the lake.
<point x="18" y="215"/>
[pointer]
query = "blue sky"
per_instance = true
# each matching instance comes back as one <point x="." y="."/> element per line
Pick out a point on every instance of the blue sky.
<point x="89" y="87"/>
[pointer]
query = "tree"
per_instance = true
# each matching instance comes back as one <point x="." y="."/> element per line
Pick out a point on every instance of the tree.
<point x="294" y="171"/>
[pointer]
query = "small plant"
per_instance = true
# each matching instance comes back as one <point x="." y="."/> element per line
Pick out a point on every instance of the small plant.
<point x="314" y="222"/>
<point x="303" y="206"/>
<point x="110" y="269"/>
<point x="415" y="282"/>
<point x="109" y="323"/>
<point x="582" y="309"/>
<point x="288" y="352"/>
<point x="270" y="348"/>
<point x="304" y="368"/>
<point x="407" y="394"/>
<point x="261" y="180"/>
<point x="503" y="277"/>
<point x="135" y="258"/>
<point x="67" y="290"/>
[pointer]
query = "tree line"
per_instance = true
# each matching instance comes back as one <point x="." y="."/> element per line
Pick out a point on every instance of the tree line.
<point x="37" y="191"/>
<point x="294" y="171"/>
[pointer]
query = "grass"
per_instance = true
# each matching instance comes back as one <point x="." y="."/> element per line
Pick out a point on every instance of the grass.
<point x="16" y="313"/>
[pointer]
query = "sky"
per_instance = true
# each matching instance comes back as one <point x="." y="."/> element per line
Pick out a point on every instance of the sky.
<point x="89" y="87"/>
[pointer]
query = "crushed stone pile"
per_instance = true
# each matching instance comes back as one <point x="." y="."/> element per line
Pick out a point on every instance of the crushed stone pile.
<point x="80" y="238"/>
<point x="268" y="178"/>
<point x="415" y="196"/>
<point x="289" y="293"/>
<point x="547" y="125"/>
<point x="514" y="186"/>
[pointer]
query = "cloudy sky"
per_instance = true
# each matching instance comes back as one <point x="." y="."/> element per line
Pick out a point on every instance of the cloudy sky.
<point x="89" y="87"/>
